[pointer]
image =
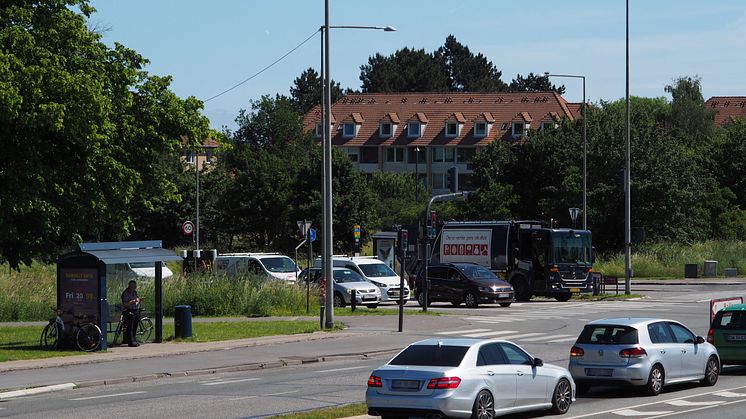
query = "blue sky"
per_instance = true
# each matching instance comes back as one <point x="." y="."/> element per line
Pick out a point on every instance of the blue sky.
<point x="209" y="46"/>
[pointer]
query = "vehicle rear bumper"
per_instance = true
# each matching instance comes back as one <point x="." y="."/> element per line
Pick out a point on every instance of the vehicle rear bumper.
<point x="634" y="374"/>
<point x="446" y="404"/>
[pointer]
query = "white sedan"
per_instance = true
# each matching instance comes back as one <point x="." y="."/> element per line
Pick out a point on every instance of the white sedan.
<point x="466" y="378"/>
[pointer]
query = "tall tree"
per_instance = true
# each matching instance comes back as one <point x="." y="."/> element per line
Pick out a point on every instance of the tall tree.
<point x="468" y="72"/>
<point x="406" y="70"/>
<point x="535" y="83"/>
<point x="688" y="112"/>
<point x="306" y="91"/>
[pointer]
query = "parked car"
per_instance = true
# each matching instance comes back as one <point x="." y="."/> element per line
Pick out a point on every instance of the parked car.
<point x="466" y="283"/>
<point x="643" y="352"/>
<point x="465" y="378"/>
<point x="346" y="280"/>
<point x="273" y="265"/>
<point x="375" y="271"/>
<point x="728" y="334"/>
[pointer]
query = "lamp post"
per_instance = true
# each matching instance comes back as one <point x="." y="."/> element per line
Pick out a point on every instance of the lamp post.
<point x="417" y="173"/>
<point x="627" y="176"/>
<point x="585" y="144"/>
<point x="326" y="105"/>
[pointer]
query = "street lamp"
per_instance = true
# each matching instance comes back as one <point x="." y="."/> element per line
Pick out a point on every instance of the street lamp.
<point x="326" y="105"/>
<point x="585" y="143"/>
<point x="417" y="173"/>
<point x="627" y="176"/>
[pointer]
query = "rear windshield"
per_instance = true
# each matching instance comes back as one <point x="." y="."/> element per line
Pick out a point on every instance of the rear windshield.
<point x="376" y="270"/>
<point x="731" y="320"/>
<point x="431" y="355"/>
<point x="608" y="335"/>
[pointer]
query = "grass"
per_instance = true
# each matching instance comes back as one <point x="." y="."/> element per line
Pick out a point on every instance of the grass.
<point x="218" y="331"/>
<point x="22" y="342"/>
<point x="356" y="409"/>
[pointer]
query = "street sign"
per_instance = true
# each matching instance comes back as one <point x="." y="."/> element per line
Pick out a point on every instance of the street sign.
<point x="574" y="214"/>
<point x="303" y="226"/>
<point x="187" y="228"/>
<point x="404" y="240"/>
<point x="721" y="303"/>
<point x="356" y="231"/>
<point x="312" y="234"/>
<point x="431" y="232"/>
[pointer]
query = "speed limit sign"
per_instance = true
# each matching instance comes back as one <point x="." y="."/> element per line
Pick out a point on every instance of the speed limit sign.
<point x="187" y="227"/>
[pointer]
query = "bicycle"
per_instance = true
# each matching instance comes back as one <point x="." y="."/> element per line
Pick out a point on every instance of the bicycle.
<point x="144" y="327"/>
<point x="87" y="335"/>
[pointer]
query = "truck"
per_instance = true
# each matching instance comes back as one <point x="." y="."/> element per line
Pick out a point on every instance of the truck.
<point x="535" y="258"/>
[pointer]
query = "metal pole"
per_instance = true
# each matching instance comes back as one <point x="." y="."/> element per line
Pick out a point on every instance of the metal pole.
<point x="158" y="302"/>
<point x="401" y="281"/>
<point x="196" y="166"/>
<point x="308" y="277"/>
<point x="627" y="191"/>
<point x="417" y="174"/>
<point x="585" y="156"/>
<point x="327" y="190"/>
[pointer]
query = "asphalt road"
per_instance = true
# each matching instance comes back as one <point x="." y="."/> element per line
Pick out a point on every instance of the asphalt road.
<point x="545" y="328"/>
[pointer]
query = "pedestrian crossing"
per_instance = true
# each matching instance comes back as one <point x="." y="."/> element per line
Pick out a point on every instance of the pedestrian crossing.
<point x="512" y="335"/>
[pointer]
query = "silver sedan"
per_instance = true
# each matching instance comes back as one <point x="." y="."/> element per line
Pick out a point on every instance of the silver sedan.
<point x="644" y="352"/>
<point x="465" y="378"/>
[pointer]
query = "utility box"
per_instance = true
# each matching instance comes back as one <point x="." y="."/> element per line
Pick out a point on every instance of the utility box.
<point x="711" y="268"/>
<point x="730" y="272"/>
<point x="690" y="270"/>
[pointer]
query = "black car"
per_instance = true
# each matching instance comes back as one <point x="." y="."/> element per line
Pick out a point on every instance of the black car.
<point x="466" y="283"/>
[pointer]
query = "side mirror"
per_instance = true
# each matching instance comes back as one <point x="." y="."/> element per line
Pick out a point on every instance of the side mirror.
<point x="700" y="339"/>
<point x="538" y="362"/>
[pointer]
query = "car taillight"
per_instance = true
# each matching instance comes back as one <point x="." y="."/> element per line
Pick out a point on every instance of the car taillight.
<point x="576" y="352"/>
<point x="443" y="383"/>
<point x="632" y="353"/>
<point x="711" y="336"/>
<point x="374" y="381"/>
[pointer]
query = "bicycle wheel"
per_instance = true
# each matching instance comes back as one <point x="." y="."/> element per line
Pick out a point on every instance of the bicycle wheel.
<point x="118" y="336"/>
<point x="50" y="337"/>
<point x="144" y="330"/>
<point x="88" y="337"/>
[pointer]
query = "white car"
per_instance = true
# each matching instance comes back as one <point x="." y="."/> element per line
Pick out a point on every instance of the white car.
<point x="273" y="265"/>
<point x="464" y="378"/>
<point x="376" y="272"/>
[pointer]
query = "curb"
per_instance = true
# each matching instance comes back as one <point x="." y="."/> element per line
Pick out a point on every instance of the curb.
<point x="36" y="390"/>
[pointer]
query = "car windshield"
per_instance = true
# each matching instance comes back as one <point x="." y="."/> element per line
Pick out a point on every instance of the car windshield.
<point x="571" y="247"/>
<point x="732" y="320"/>
<point x="608" y="335"/>
<point x="279" y="264"/>
<point x="376" y="270"/>
<point x="476" y="271"/>
<point x="431" y="355"/>
<point x="141" y="265"/>
<point x="345" y="275"/>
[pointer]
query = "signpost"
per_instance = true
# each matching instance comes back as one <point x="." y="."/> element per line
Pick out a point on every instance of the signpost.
<point x="187" y="228"/>
<point x="310" y="238"/>
<point x="574" y="212"/>
<point x="356" y="235"/>
<point x="404" y="245"/>
<point x="718" y="304"/>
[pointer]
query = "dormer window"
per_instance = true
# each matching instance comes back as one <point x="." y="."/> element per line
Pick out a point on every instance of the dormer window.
<point x="519" y="129"/>
<point x="480" y="129"/>
<point x="385" y="130"/>
<point x="348" y="129"/>
<point x="451" y="129"/>
<point x="413" y="129"/>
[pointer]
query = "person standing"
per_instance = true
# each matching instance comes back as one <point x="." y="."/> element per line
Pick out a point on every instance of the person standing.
<point x="131" y="302"/>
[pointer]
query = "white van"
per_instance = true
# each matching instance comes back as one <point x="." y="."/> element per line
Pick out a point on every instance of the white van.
<point x="274" y="265"/>
<point x="375" y="271"/>
<point x="141" y="270"/>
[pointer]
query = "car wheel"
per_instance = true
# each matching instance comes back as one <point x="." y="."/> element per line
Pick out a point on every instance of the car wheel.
<point x="712" y="372"/>
<point x="421" y="299"/>
<point x="471" y="300"/>
<point x="505" y="304"/>
<point x="562" y="397"/>
<point x="484" y="406"/>
<point x="455" y="303"/>
<point x="563" y="297"/>
<point x="655" y="381"/>
<point x="338" y="300"/>
<point x="520" y="287"/>
<point x="372" y="305"/>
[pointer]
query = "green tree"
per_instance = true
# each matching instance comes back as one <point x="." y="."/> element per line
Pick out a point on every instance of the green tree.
<point x="306" y="91"/>
<point x="688" y="112"/>
<point x="406" y="70"/>
<point x="534" y="83"/>
<point x="468" y="72"/>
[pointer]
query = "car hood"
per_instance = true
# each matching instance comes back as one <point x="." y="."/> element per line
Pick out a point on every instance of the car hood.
<point x="356" y="285"/>
<point x="490" y="282"/>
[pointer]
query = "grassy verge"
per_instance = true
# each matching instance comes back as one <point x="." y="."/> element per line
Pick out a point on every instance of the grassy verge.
<point x="22" y="342"/>
<point x="328" y="413"/>
<point x="211" y="332"/>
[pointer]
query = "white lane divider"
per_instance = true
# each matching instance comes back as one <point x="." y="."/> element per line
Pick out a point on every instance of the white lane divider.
<point x="729" y="394"/>
<point x="555" y="337"/>
<point x="344" y="369"/>
<point x="518" y="336"/>
<point x="570" y="339"/>
<point x="632" y="412"/>
<point x="687" y="403"/>
<point x="217" y="383"/>
<point x="281" y="393"/>
<point x="108" y="395"/>
<point x="491" y="333"/>
<point x="458" y="332"/>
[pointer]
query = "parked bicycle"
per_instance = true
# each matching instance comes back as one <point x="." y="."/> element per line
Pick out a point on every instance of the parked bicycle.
<point x="144" y="327"/>
<point x="86" y="335"/>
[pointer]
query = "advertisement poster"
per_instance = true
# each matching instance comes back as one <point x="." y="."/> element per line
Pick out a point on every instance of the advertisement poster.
<point x="78" y="294"/>
<point x="385" y="251"/>
<point x="466" y="246"/>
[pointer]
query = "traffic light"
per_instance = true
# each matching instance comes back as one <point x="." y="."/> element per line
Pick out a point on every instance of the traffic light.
<point x="453" y="179"/>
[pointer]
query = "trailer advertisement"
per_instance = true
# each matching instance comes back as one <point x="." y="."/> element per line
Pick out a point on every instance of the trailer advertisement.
<point x="466" y="246"/>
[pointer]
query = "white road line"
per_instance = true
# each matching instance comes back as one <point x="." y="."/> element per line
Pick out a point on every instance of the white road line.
<point x="280" y="394"/>
<point x="217" y="383"/>
<point x="632" y="412"/>
<point x="109" y="395"/>
<point x="696" y="409"/>
<point x="570" y="339"/>
<point x="729" y="394"/>
<point x="517" y="337"/>
<point x="491" y="333"/>
<point x="687" y="403"/>
<point x="556" y="337"/>
<point x="457" y="332"/>
<point x="344" y="369"/>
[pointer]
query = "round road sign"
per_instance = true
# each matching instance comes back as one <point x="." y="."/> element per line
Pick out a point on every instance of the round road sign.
<point x="187" y="227"/>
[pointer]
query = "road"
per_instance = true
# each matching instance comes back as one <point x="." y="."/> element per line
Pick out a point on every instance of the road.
<point x="545" y="328"/>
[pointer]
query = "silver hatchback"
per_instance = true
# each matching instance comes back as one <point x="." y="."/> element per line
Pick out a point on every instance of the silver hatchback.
<point x="644" y="352"/>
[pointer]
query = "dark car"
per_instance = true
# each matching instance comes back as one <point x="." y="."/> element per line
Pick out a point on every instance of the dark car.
<point x="466" y="283"/>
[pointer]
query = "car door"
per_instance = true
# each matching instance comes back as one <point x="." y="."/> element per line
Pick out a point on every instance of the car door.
<point x="437" y="276"/>
<point x="666" y="349"/>
<point x="498" y="375"/>
<point x="453" y="289"/>
<point x="531" y="383"/>
<point x="692" y="356"/>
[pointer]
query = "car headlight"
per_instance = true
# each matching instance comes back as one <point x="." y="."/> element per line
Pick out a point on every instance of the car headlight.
<point x="378" y="284"/>
<point x="349" y="291"/>
<point x="485" y="289"/>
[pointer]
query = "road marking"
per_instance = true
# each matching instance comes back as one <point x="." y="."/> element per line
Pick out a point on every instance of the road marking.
<point x="456" y="332"/>
<point x="522" y="335"/>
<point x="217" y="383"/>
<point x="556" y="337"/>
<point x="570" y="339"/>
<point x="729" y="394"/>
<point x="696" y="409"/>
<point x="109" y="395"/>
<point x="491" y="333"/>
<point x="687" y="403"/>
<point x="280" y="394"/>
<point x="632" y="412"/>
<point x="342" y="369"/>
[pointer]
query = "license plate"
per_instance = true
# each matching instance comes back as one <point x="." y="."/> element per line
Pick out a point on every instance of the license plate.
<point x="574" y="289"/>
<point x="369" y="297"/>
<point x="405" y="384"/>
<point x="598" y="372"/>
<point x="735" y="338"/>
<point x="503" y="295"/>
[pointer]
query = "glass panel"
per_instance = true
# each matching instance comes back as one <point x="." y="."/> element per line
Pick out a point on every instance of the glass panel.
<point x="438" y="154"/>
<point x="369" y="154"/>
<point x="349" y="129"/>
<point x="465" y="154"/>
<point x="438" y="181"/>
<point x="385" y="130"/>
<point x="515" y="355"/>
<point x="279" y="264"/>
<point x="347" y="275"/>
<point x="449" y="153"/>
<point x="431" y="355"/>
<point x="375" y="270"/>
<point x="517" y="128"/>
<point x="681" y="333"/>
<point x="572" y="248"/>
<point x="451" y="129"/>
<point x="608" y="335"/>
<point x="480" y="129"/>
<point x="413" y="129"/>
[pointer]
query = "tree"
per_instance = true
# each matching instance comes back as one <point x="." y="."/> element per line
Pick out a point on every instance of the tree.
<point x="272" y="124"/>
<point x="306" y="91"/>
<point x="535" y="83"/>
<point x="688" y="112"/>
<point x="468" y="72"/>
<point x="406" y="70"/>
<point x="82" y="125"/>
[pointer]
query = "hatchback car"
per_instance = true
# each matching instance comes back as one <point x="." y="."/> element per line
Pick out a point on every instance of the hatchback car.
<point x="728" y="334"/>
<point x="643" y="352"/>
<point x="464" y="378"/>
<point x="345" y="281"/>
<point x="466" y="283"/>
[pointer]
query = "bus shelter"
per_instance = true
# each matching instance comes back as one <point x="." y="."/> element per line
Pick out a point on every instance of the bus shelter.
<point x="82" y="280"/>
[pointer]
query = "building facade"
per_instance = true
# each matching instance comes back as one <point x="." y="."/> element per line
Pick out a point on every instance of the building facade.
<point x="728" y="109"/>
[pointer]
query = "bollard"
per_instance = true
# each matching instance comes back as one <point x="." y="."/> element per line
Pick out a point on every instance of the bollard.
<point x="353" y="300"/>
<point x="321" y="317"/>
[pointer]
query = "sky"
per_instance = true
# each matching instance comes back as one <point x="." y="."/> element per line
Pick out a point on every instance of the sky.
<point x="208" y="47"/>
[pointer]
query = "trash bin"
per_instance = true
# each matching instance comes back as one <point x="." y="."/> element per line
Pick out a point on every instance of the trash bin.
<point x="690" y="270"/>
<point x="711" y="268"/>
<point x="730" y="272"/>
<point x="183" y="321"/>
